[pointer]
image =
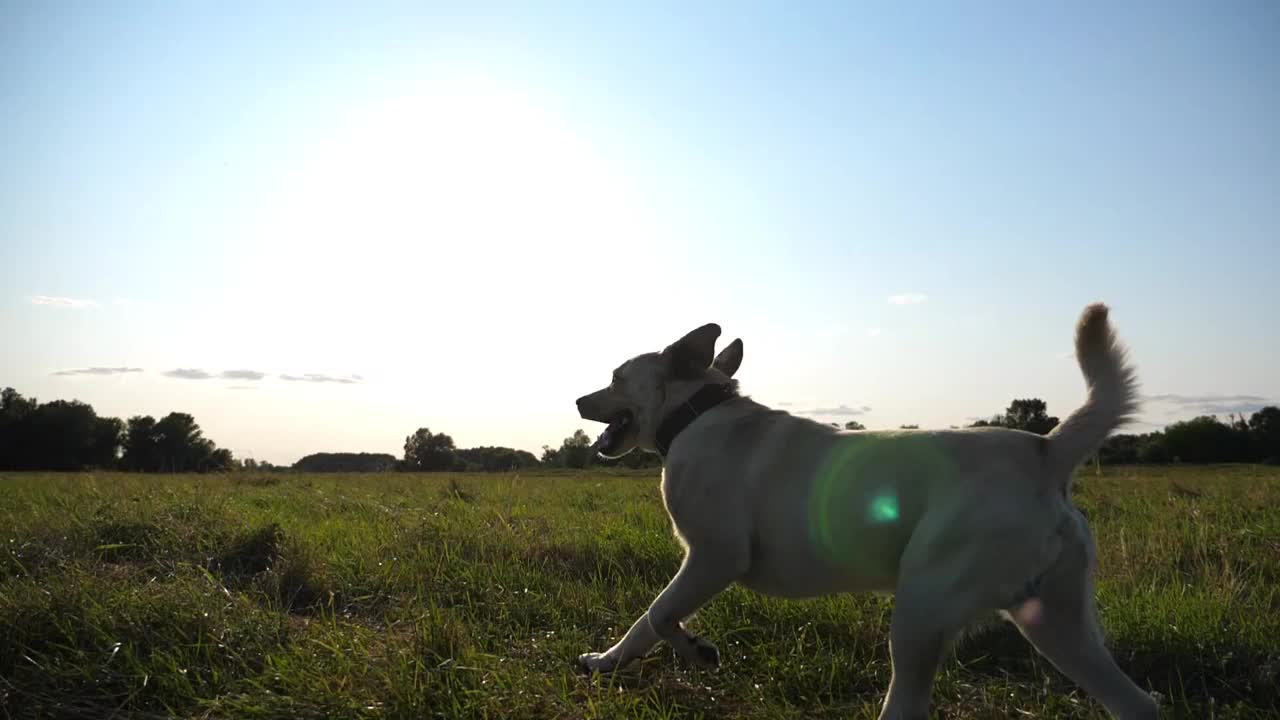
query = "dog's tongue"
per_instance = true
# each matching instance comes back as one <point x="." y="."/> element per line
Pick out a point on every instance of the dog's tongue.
<point x="606" y="436"/>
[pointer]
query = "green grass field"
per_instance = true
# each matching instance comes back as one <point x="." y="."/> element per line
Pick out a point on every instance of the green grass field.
<point x="470" y="596"/>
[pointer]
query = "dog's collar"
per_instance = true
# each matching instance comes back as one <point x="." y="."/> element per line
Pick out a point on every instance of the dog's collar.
<point x="677" y="420"/>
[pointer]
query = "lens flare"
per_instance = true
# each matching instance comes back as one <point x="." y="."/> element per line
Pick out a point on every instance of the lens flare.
<point x="855" y="507"/>
<point x="884" y="508"/>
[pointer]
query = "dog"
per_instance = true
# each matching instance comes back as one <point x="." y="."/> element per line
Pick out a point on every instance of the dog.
<point x="954" y="523"/>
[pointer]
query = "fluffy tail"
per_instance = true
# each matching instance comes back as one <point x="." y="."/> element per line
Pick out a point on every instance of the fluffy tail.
<point x="1113" y="394"/>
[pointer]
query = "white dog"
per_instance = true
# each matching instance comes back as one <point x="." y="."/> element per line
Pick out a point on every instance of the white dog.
<point x="954" y="523"/>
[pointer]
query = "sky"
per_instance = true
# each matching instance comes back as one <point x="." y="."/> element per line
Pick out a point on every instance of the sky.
<point x="318" y="227"/>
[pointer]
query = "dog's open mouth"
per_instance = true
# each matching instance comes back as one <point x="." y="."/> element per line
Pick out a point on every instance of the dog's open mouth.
<point x="611" y="437"/>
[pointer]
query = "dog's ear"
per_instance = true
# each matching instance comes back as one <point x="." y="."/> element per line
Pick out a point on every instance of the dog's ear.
<point x="730" y="358"/>
<point x="692" y="354"/>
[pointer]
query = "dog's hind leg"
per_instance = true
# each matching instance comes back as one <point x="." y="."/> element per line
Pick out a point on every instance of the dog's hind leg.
<point x="919" y="636"/>
<point x="1062" y="623"/>
<point x="936" y="596"/>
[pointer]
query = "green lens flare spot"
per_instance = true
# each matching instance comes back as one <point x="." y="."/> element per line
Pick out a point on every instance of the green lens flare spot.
<point x="855" y="507"/>
<point x="884" y="509"/>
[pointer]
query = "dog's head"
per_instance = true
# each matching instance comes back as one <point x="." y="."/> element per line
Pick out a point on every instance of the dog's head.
<point x="647" y="387"/>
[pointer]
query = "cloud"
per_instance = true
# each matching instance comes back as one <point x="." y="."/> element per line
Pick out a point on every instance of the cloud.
<point x="907" y="299"/>
<point x="1175" y="399"/>
<point x="873" y="332"/>
<point x="188" y="374"/>
<point x="99" y="371"/>
<point x="241" y="375"/>
<point x="62" y="302"/>
<point x="1210" y="404"/>
<point x="242" y="387"/>
<point x="318" y="378"/>
<point x="843" y="410"/>
<point x="784" y="403"/>
<point x="1240" y="408"/>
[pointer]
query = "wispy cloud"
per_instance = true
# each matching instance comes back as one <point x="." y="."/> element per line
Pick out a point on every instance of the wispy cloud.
<point x="873" y="332"/>
<point x="188" y="374"/>
<point x="62" y="302"/>
<point x="842" y="410"/>
<point x="99" y="371"/>
<point x="907" y="299"/>
<point x="1210" y="404"/>
<point x="1175" y="399"/>
<point x="318" y="378"/>
<point x="242" y="387"/>
<point x="241" y="375"/>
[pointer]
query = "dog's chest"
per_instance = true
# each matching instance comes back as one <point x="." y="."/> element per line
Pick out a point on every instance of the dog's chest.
<point x="700" y="507"/>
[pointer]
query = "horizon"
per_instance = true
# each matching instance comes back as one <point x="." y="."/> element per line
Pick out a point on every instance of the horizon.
<point x="317" y="230"/>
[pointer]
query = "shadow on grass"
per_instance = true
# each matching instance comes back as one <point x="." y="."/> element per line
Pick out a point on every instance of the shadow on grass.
<point x="1186" y="672"/>
<point x="267" y="560"/>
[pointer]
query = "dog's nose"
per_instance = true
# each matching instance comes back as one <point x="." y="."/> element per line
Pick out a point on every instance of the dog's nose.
<point x="580" y="402"/>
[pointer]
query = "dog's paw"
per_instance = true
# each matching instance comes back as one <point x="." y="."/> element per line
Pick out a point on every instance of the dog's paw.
<point x="701" y="653"/>
<point x="597" y="663"/>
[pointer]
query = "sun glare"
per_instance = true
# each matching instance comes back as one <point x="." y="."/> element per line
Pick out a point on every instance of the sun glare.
<point x="464" y="192"/>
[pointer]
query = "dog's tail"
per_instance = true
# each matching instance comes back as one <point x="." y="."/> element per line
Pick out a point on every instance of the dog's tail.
<point x="1113" y="394"/>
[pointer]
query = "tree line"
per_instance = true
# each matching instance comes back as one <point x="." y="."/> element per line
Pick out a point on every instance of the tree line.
<point x="67" y="435"/>
<point x="1203" y="439"/>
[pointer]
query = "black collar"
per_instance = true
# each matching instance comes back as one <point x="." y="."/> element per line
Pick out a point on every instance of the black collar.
<point x="703" y="400"/>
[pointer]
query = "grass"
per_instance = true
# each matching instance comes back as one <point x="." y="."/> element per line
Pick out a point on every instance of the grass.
<point x="264" y="596"/>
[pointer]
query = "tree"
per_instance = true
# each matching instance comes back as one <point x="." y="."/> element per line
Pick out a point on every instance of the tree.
<point x="14" y="407"/>
<point x="219" y="460"/>
<point x="13" y="412"/>
<point x="1031" y="415"/>
<point x="108" y="435"/>
<point x="574" y="452"/>
<point x="496" y="459"/>
<point x="1264" y="428"/>
<point x="141" y="449"/>
<point x="58" y="435"/>
<point x="425" y="451"/>
<point x="1123" y="449"/>
<point x="344" y="462"/>
<point x="908" y="427"/>
<point x="1206" y="439"/>
<point x="181" y="443"/>
<point x="175" y="443"/>
<point x="854" y="425"/>
<point x="1028" y="414"/>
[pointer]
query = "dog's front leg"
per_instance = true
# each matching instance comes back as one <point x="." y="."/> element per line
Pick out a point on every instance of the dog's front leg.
<point x="700" y="578"/>
<point x="637" y="643"/>
<point x="706" y="571"/>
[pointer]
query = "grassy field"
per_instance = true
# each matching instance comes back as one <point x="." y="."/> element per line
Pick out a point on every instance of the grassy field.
<point x="470" y="596"/>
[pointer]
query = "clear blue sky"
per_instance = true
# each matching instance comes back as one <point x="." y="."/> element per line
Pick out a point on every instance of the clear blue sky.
<point x="463" y="216"/>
